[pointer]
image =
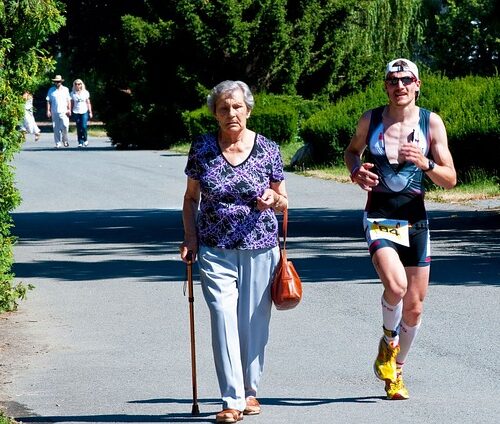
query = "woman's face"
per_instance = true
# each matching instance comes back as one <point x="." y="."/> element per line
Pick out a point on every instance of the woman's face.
<point x="231" y="112"/>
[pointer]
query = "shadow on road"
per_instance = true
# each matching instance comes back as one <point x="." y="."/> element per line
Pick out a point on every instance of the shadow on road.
<point x="101" y="244"/>
<point x="465" y="246"/>
<point x="325" y="245"/>
<point x="187" y="416"/>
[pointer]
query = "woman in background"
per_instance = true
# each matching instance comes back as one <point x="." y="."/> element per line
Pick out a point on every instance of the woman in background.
<point x="81" y="109"/>
<point x="29" y="125"/>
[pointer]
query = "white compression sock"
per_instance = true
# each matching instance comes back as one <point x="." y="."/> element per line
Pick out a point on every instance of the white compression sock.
<point x="391" y="315"/>
<point x="407" y="335"/>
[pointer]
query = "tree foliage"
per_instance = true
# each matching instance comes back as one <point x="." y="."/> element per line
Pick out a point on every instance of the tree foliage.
<point x="314" y="48"/>
<point x="24" y="26"/>
<point x="463" y="37"/>
<point x="308" y="47"/>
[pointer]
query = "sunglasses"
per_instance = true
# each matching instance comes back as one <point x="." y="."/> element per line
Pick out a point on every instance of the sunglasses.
<point x="405" y="80"/>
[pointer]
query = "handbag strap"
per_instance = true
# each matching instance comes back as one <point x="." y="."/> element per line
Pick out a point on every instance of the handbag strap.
<point x="285" y="226"/>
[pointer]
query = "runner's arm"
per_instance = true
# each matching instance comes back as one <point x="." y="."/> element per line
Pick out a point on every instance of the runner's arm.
<point x="444" y="173"/>
<point x="359" y="171"/>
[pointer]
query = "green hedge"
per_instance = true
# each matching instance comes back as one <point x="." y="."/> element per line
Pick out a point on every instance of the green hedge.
<point x="468" y="106"/>
<point x="277" y="117"/>
<point x="328" y="131"/>
<point x="23" y="66"/>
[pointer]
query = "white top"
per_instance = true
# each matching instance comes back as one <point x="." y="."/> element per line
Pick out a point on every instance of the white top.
<point x="58" y="98"/>
<point x="28" y="105"/>
<point x="79" y="99"/>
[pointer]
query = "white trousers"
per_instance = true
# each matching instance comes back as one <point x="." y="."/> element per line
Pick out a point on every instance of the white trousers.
<point x="60" y="122"/>
<point x="236" y="286"/>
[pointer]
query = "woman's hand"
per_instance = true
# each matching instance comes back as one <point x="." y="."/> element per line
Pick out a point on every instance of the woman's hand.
<point x="186" y="247"/>
<point x="267" y="200"/>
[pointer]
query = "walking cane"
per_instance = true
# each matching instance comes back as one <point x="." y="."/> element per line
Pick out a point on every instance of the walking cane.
<point x="189" y="257"/>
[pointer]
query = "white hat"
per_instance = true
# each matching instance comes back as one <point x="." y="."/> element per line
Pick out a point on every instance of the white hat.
<point x="58" y="78"/>
<point x="401" y="65"/>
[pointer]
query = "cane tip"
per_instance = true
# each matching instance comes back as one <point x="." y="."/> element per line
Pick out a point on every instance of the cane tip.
<point x="195" y="410"/>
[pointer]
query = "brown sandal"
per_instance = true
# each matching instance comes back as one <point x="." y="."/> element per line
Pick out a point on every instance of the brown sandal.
<point x="253" y="406"/>
<point x="229" y="416"/>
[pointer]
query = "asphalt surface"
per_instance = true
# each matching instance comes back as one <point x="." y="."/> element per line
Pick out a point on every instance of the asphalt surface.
<point x="104" y="336"/>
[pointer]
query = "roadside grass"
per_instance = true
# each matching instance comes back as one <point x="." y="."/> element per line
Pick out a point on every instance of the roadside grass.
<point x="182" y="148"/>
<point x="93" y="130"/>
<point x="97" y="132"/>
<point x="6" y="420"/>
<point x="486" y="188"/>
<point x="477" y="184"/>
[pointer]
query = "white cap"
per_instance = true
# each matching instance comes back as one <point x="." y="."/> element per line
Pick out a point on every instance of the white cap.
<point x="401" y="65"/>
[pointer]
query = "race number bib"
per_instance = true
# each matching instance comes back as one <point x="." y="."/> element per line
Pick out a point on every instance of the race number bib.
<point x="394" y="230"/>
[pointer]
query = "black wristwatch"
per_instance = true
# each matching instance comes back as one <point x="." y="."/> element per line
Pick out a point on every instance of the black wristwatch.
<point x="431" y="166"/>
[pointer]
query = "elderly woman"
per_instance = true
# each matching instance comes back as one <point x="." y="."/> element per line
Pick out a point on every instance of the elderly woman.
<point x="236" y="178"/>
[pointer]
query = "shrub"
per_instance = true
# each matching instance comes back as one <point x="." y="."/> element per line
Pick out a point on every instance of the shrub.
<point x="197" y="122"/>
<point x="276" y="117"/>
<point x="470" y="108"/>
<point x="329" y="131"/>
<point x="23" y="28"/>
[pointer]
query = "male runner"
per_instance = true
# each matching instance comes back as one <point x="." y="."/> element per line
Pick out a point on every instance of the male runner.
<point x="401" y="142"/>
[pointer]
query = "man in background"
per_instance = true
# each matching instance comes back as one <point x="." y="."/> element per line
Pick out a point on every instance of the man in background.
<point x="59" y="110"/>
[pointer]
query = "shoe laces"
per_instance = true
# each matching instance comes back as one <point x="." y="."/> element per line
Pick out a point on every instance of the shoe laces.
<point x="389" y="353"/>
<point x="398" y="384"/>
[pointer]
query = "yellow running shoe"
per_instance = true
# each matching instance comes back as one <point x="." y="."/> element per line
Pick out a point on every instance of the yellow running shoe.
<point x="385" y="364"/>
<point x="396" y="390"/>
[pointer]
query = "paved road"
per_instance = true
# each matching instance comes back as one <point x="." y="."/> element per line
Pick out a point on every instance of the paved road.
<point x="104" y="337"/>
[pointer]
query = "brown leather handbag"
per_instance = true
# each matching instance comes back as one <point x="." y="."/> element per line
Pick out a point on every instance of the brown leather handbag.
<point x="286" y="288"/>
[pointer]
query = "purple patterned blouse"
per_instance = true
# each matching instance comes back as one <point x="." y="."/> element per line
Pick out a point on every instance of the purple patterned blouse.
<point x="228" y="216"/>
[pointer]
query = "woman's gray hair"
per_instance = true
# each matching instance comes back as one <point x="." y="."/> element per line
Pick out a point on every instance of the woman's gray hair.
<point x="226" y="87"/>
